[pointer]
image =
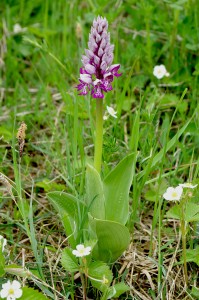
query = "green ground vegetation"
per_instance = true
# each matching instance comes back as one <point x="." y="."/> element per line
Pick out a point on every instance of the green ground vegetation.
<point x="157" y="119"/>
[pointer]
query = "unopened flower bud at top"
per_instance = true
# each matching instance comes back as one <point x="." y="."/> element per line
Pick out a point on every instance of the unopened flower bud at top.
<point x="97" y="72"/>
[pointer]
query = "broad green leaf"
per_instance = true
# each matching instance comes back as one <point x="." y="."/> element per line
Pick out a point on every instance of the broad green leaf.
<point x="67" y="203"/>
<point x="98" y="273"/>
<point x="195" y="292"/>
<point x="113" y="239"/>
<point x="69" y="261"/>
<point x="94" y="193"/>
<point x="69" y="208"/>
<point x="110" y="293"/>
<point x="192" y="255"/>
<point x="116" y="190"/>
<point x="191" y="212"/>
<point x="120" y="289"/>
<point x="174" y="212"/>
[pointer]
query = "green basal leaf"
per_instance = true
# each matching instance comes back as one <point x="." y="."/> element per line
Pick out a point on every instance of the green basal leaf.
<point x="110" y="292"/>
<point x="174" y="212"/>
<point x="100" y="275"/>
<point x="191" y="212"/>
<point x="67" y="203"/>
<point x="120" y="288"/>
<point x="116" y="190"/>
<point x="113" y="239"/>
<point x="195" y="292"/>
<point x="192" y="255"/>
<point x="94" y="193"/>
<point x="69" y="261"/>
<point x="69" y="209"/>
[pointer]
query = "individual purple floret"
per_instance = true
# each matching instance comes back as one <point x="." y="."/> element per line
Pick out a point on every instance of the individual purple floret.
<point x="97" y="73"/>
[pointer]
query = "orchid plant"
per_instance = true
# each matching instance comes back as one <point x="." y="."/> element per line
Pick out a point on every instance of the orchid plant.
<point x="97" y="223"/>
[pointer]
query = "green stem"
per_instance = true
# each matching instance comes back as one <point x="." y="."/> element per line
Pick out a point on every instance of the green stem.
<point x="183" y="231"/>
<point x="98" y="135"/>
<point x="83" y="286"/>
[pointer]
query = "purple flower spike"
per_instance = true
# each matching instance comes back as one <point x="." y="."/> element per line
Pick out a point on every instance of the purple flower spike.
<point x="97" y="73"/>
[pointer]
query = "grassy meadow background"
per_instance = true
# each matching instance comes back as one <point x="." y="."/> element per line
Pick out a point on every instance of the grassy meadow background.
<point x="39" y="69"/>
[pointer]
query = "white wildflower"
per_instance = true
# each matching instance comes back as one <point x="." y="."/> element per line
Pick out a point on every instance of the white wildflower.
<point x="111" y="111"/>
<point x="81" y="251"/>
<point x="18" y="29"/>
<point x="173" y="194"/>
<point x="160" y="71"/>
<point x="11" y="290"/>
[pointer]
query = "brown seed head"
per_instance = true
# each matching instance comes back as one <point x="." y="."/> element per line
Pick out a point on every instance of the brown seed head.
<point x="78" y="31"/>
<point x="21" y="135"/>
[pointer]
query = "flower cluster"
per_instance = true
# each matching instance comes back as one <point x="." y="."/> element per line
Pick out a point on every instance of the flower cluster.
<point x="11" y="290"/>
<point x="160" y="71"/>
<point x="97" y="72"/>
<point x="175" y="193"/>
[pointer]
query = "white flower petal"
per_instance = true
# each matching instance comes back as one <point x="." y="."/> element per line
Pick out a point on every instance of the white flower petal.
<point x="86" y="78"/>
<point x="4" y="293"/>
<point x="111" y="111"/>
<point x="96" y="82"/>
<point x="18" y="293"/>
<point x="75" y="252"/>
<point x="16" y="284"/>
<point x="87" y="250"/>
<point x="90" y="69"/>
<point x="80" y="247"/>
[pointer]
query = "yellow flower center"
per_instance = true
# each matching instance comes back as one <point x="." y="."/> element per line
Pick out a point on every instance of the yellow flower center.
<point x="11" y="292"/>
<point x="174" y="194"/>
